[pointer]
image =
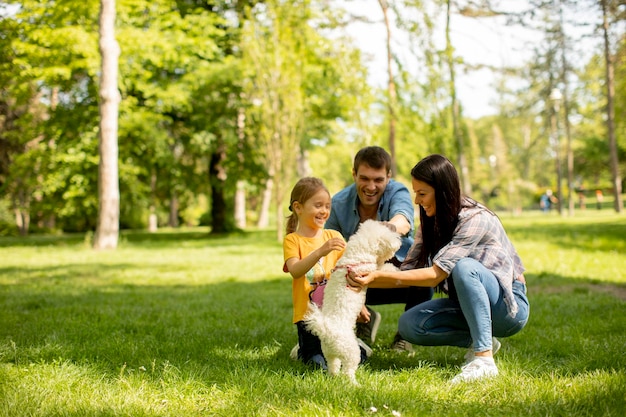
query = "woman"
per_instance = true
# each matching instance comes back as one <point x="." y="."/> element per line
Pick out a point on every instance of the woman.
<point x="462" y="248"/>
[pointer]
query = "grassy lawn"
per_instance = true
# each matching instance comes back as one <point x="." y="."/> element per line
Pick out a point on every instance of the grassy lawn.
<point x="181" y="324"/>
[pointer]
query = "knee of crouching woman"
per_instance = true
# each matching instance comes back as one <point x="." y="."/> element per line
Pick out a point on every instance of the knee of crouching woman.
<point x="465" y="267"/>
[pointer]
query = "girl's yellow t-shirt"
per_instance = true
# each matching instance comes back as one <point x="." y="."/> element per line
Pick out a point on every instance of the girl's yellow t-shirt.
<point x="297" y="246"/>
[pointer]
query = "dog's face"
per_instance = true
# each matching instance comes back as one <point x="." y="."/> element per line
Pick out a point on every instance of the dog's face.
<point x="377" y="239"/>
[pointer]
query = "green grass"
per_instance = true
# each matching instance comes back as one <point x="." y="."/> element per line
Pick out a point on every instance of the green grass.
<point x="181" y="324"/>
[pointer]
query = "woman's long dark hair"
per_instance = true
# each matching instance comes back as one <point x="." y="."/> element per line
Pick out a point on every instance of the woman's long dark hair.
<point x="438" y="172"/>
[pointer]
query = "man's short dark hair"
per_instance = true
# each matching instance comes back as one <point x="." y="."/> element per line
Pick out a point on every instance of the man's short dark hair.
<point x="374" y="156"/>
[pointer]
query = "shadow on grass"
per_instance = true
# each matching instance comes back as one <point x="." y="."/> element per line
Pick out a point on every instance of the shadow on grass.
<point x="93" y="328"/>
<point x="224" y="330"/>
<point x="164" y="238"/>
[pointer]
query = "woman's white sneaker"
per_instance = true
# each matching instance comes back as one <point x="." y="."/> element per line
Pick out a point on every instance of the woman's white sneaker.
<point x="470" y="355"/>
<point x="481" y="367"/>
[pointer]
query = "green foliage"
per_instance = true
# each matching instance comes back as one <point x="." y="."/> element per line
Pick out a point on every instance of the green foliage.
<point x="7" y="219"/>
<point x="164" y="57"/>
<point x="220" y="92"/>
<point x="178" y="323"/>
<point x="592" y="155"/>
<point x="301" y="84"/>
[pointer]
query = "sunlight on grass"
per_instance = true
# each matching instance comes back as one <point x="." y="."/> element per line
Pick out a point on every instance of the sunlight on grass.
<point x="590" y="248"/>
<point x="179" y="323"/>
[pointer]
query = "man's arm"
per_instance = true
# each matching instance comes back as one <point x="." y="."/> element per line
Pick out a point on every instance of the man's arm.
<point x="401" y="223"/>
<point x="400" y="208"/>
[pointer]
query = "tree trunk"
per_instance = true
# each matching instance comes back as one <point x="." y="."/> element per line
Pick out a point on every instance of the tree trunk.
<point x="173" y="217"/>
<point x="217" y="179"/>
<point x="107" y="230"/>
<point x="456" y="129"/>
<point x="554" y="123"/>
<point x="391" y="91"/>
<point x="22" y="212"/>
<point x="264" y="212"/>
<point x="280" y="212"/>
<point x="303" y="168"/>
<point x="240" y="205"/>
<point x="569" y="153"/>
<point x="153" y="223"/>
<point x="610" y="110"/>
<point x="22" y="220"/>
<point x="240" y="192"/>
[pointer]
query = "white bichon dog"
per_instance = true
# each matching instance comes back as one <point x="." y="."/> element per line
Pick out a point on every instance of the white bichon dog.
<point x="334" y="323"/>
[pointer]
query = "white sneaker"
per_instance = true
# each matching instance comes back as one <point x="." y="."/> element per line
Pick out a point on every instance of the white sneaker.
<point x="294" y="352"/>
<point x="367" y="349"/>
<point x="402" y="346"/>
<point x="470" y="355"/>
<point x="481" y="367"/>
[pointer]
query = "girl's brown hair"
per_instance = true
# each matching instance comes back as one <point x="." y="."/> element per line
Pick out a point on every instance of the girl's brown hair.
<point x="304" y="189"/>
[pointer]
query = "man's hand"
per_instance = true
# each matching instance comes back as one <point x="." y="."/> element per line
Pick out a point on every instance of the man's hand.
<point x="364" y="316"/>
<point x="390" y="226"/>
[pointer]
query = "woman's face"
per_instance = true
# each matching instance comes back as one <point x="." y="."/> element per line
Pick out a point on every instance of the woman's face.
<point x="425" y="197"/>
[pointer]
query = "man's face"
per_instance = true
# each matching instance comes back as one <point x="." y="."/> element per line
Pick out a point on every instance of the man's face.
<point x="370" y="184"/>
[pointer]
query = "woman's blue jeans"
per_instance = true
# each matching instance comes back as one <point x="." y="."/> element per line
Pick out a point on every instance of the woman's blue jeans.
<point x="474" y="312"/>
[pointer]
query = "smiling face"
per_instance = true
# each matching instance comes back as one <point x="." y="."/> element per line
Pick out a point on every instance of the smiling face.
<point x="425" y="197"/>
<point x="313" y="213"/>
<point x="370" y="184"/>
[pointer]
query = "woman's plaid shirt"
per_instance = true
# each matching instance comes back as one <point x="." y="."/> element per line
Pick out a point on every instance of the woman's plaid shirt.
<point x="479" y="235"/>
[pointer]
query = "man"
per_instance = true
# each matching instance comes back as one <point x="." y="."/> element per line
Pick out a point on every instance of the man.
<point x="374" y="195"/>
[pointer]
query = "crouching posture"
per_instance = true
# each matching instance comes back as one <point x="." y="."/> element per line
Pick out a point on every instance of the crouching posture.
<point x="334" y="323"/>
<point x="461" y="247"/>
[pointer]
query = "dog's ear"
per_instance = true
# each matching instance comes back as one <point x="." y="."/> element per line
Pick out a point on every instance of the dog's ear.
<point x="375" y="234"/>
<point x="388" y="242"/>
<point x="387" y="248"/>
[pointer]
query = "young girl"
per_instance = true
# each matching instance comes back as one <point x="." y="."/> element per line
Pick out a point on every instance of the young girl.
<point x="311" y="252"/>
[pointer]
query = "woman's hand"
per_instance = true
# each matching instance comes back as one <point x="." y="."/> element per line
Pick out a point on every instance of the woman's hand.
<point x="358" y="281"/>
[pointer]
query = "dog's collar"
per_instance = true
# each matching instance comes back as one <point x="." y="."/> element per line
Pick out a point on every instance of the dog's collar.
<point x="350" y="267"/>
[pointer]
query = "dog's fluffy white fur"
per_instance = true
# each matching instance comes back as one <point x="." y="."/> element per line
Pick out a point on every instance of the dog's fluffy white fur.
<point x="334" y="323"/>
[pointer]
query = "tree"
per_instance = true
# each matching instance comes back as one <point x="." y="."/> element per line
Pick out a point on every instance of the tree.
<point x="610" y="109"/>
<point x="391" y="90"/>
<point x="277" y="63"/>
<point x="217" y="103"/>
<point x="300" y="84"/>
<point x="178" y="120"/>
<point x="455" y="108"/>
<point x="49" y="62"/>
<point x="107" y="230"/>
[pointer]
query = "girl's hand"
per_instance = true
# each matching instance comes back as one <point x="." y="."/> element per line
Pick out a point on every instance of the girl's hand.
<point x="336" y="243"/>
